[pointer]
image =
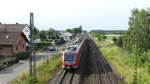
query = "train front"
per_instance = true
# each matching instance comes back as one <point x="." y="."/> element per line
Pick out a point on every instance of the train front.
<point x="70" y="59"/>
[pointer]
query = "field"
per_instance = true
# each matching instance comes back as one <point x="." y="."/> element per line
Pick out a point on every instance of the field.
<point x="123" y="63"/>
<point x="111" y="36"/>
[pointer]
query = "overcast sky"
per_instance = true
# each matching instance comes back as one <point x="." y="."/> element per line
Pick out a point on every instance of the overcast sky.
<point x="63" y="14"/>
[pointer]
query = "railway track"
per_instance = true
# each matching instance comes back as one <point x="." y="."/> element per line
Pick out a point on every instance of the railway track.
<point x="105" y="73"/>
<point x="61" y="76"/>
<point x="64" y="77"/>
<point x="93" y="69"/>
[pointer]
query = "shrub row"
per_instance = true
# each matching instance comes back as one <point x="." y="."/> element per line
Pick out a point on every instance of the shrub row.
<point x="22" y="55"/>
<point x="42" y="44"/>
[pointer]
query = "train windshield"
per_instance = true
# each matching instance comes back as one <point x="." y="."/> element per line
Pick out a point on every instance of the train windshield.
<point x="69" y="57"/>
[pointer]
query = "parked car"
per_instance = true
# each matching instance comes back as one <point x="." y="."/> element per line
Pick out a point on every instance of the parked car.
<point x="51" y="48"/>
<point x="71" y="48"/>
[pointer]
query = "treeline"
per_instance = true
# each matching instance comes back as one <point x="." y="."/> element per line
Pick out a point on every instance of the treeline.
<point x="53" y="34"/>
<point x="75" y="31"/>
<point x="45" y="38"/>
<point x="98" y="36"/>
<point x="46" y="34"/>
<point x="136" y="41"/>
<point x="108" y="31"/>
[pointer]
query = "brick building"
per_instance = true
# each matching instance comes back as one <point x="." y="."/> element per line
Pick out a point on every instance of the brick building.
<point x="13" y="39"/>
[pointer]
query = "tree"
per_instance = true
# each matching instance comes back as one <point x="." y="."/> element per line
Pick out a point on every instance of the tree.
<point x="139" y="31"/>
<point x="49" y="33"/>
<point x="84" y="31"/>
<point x="98" y="36"/>
<point x="104" y="37"/>
<point x="35" y="31"/>
<point x="69" y="30"/>
<point x="120" y="41"/>
<point x="114" y="39"/>
<point x="42" y="35"/>
<point x="136" y="39"/>
<point x="75" y="31"/>
<point x="80" y="29"/>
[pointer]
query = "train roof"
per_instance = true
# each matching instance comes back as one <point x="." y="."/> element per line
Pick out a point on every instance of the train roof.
<point x="75" y="47"/>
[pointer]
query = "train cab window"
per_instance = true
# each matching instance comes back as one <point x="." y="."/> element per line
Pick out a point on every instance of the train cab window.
<point x="69" y="57"/>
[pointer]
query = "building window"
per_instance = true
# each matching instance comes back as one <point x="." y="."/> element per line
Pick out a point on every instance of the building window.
<point x="19" y="42"/>
<point x="23" y="46"/>
<point x="16" y="47"/>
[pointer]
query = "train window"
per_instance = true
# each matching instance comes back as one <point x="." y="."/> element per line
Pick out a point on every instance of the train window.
<point x="69" y="57"/>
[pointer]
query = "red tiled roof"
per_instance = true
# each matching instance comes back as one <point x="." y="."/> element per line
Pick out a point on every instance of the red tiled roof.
<point x="8" y="38"/>
<point x="12" y="27"/>
<point x="9" y="33"/>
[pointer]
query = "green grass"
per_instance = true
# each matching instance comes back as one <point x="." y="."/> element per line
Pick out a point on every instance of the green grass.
<point x="7" y="59"/>
<point x="3" y="61"/>
<point x="123" y="63"/>
<point x="45" y="71"/>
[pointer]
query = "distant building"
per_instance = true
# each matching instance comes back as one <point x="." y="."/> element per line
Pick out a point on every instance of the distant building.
<point x="13" y="38"/>
<point x="37" y="40"/>
<point x="66" y="35"/>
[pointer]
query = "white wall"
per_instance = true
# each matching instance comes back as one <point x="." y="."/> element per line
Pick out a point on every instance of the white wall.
<point x="26" y="31"/>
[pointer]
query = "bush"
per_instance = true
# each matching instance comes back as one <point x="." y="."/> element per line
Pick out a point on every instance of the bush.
<point x="42" y="44"/>
<point x="98" y="36"/>
<point x="114" y="39"/>
<point x="118" y="41"/>
<point x="22" y="56"/>
<point x="104" y="37"/>
<point x="59" y="41"/>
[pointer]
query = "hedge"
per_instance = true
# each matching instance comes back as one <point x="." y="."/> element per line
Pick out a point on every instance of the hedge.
<point x="22" y="55"/>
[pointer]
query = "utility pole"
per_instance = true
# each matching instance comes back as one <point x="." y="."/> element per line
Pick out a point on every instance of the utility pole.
<point x="30" y="46"/>
<point x="32" y="63"/>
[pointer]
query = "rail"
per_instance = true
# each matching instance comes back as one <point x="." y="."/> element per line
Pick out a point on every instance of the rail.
<point x="61" y="76"/>
<point x="100" y="68"/>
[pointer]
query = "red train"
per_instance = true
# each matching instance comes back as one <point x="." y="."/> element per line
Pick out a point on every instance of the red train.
<point x="71" y="57"/>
